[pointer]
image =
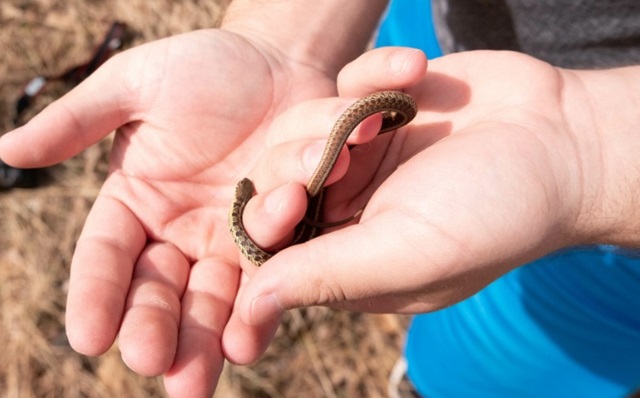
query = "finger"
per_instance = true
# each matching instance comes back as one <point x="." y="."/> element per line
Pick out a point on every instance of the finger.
<point x="149" y="333"/>
<point x="280" y="203"/>
<point x="294" y="161"/>
<point x="242" y="343"/>
<point x="293" y="156"/>
<point x="269" y="218"/>
<point x="386" y="68"/>
<point x="326" y="265"/>
<point x="206" y="307"/>
<point x="76" y="121"/>
<point x="315" y="118"/>
<point x="101" y="270"/>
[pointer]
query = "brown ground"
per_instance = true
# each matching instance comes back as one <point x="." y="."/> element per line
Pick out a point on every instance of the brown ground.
<point x="317" y="351"/>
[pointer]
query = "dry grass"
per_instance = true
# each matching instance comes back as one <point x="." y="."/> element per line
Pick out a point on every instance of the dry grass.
<point x="320" y="352"/>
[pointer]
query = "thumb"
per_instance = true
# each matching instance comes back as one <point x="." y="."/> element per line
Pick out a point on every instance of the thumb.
<point x="386" y="68"/>
<point x="82" y="117"/>
<point x="358" y="267"/>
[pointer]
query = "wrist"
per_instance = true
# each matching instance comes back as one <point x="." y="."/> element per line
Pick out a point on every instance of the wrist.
<point x="608" y="104"/>
<point x="323" y="35"/>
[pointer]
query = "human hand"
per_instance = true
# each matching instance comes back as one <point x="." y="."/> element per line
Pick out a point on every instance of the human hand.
<point x="503" y="163"/>
<point x="155" y="263"/>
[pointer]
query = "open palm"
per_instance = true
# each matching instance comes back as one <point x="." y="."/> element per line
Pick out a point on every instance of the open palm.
<point x="155" y="263"/>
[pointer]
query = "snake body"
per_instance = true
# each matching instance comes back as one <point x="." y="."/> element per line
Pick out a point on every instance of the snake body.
<point x="397" y="110"/>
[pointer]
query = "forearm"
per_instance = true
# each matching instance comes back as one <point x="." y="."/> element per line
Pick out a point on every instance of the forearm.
<point x="324" y="34"/>
<point x="611" y="161"/>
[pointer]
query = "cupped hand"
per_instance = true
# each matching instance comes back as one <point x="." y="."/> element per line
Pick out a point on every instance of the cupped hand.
<point x="493" y="172"/>
<point x="155" y="263"/>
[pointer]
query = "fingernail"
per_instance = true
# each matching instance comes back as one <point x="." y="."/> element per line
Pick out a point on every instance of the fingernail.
<point x="312" y="155"/>
<point x="275" y="200"/>
<point x="265" y="308"/>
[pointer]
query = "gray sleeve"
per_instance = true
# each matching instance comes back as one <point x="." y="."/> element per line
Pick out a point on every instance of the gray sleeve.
<point x="568" y="33"/>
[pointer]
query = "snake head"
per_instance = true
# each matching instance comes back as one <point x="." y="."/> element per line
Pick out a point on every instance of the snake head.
<point x="245" y="189"/>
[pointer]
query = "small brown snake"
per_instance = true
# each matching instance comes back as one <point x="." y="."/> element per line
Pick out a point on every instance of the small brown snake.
<point x="397" y="110"/>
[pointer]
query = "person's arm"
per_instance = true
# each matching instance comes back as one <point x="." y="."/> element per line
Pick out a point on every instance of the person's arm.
<point x="324" y="34"/>
<point x="610" y="101"/>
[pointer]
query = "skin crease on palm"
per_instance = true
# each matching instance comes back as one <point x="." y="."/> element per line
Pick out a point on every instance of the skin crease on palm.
<point x="508" y="159"/>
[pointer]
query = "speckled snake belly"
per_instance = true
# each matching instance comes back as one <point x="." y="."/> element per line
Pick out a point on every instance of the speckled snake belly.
<point x="397" y="109"/>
